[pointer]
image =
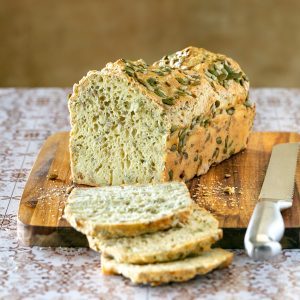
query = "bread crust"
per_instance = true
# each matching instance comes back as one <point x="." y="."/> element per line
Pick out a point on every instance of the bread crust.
<point x="117" y="229"/>
<point x="162" y="273"/>
<point x="129" y="229"/>
<point x="197" y="235"/>
<point x="202" y="148"/>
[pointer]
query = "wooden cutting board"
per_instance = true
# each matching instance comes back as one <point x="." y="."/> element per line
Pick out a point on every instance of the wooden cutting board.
<point x="40" y="220"/>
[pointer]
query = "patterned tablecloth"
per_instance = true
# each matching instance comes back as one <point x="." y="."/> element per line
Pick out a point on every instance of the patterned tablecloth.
<point x="27" y="118"/>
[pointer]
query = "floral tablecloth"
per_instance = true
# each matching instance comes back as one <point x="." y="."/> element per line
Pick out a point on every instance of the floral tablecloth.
<point x="27" y="118"/>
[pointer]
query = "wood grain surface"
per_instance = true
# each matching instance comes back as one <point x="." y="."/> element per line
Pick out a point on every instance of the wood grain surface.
<point x="40" y="217"/>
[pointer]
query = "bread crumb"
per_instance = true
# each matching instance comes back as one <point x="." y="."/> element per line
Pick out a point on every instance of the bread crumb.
<point x="52" y="176"/>
<point x="31" y="203"/>
<point x="230" y="190"/>
<point x="227" y="175"/>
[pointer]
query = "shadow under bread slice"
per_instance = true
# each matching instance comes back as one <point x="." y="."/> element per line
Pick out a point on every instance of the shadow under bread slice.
<point x="195" y="236"/>
<point x="175" y="271"/>
<point x="128" y="210"/>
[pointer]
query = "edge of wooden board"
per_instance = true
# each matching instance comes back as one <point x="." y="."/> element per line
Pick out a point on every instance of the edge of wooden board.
<point x="38" y="175"/>
<point x="69" y="237"/>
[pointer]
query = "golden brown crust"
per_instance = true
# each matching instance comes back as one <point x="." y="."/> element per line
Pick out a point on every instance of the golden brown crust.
<point x="177" y="271"/>
<point x="89" y="227"/>
<point x="179" y="252"/>
<point x="134" y="229"/>
<point x="192" y="238"/>
<point x="201" y="92"/>
<point x="205" y="146"/>
<point x="128" y="229"/>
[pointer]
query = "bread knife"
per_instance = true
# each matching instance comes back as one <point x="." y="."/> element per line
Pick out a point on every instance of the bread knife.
<point x="266" y="226"/>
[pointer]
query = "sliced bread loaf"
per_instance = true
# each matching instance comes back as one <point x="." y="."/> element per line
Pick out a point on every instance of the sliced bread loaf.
<point x="135" y="123"/>
<point x="160" y="273"/>
<point x="128" y="210"/>
<point x="192" y="238"/>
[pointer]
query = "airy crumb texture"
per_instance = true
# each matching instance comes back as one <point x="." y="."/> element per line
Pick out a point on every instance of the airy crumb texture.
<point x="192" y="238"/>
<point x="128" y="210"/>
<point x="137" y="123"/>
<point x="176" y="271"/>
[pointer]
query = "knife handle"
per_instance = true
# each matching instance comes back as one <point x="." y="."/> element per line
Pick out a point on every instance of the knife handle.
<point x="265" y="230"/>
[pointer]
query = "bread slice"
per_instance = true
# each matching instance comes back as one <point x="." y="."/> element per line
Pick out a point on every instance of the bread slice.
<point x="128" y="210"/>
<point x="192" y="238"/>
<point x="138" y="123"/>
<point x="180" y="270"/>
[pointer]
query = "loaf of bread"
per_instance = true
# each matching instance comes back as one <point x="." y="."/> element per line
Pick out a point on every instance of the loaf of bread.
<point x="174" y="271"/>
<point x="128" y="210"/>
<point x="191" y="238"/>
<point x="135" y="123"/>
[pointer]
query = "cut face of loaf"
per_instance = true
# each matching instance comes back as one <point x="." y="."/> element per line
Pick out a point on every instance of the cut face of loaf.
<point x="135" y="123"/>
<point x="128" y="210"/>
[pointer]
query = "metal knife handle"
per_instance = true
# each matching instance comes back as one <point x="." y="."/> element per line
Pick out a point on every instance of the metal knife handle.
<point x="265" y="230"/>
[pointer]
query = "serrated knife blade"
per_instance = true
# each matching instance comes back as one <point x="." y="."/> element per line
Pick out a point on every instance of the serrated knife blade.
<point x="266" y="226"/>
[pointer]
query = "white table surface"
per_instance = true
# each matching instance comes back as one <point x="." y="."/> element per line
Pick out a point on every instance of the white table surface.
<point x="27" y="118"/>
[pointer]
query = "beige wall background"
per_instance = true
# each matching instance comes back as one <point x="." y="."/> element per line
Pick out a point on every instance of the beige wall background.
<point x="54" y="43"/>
